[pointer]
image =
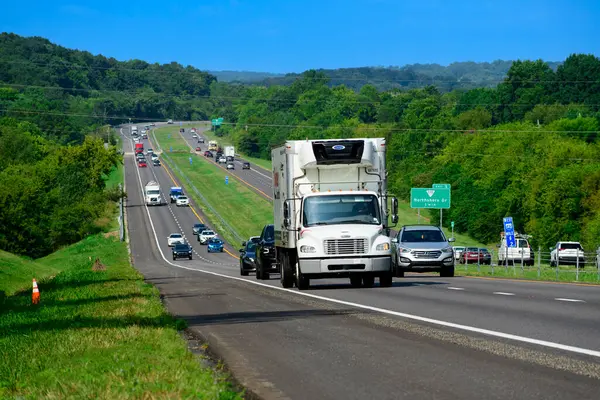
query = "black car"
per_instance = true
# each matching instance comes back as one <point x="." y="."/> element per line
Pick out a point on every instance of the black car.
<point x="246" y="165"/>
<point x="247" y="256"/>
<point x="182" y="251"/>
<point x="265" y="253"/>
<point x="197" y="228"/>
<point x="182" y="130"/>
<point x="156" y="163"/>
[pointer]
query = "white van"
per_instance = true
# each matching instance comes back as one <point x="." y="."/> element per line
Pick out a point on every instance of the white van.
<point x="522" y="253"/>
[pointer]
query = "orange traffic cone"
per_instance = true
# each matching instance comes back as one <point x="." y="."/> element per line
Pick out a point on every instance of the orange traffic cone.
<point x="35" y="296"/>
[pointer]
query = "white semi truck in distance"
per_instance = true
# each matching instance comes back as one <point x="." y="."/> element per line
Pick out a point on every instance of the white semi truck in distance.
<point x="331" y="211"/>
<point x="152" y="195"/>
<point x="229" y="152"/>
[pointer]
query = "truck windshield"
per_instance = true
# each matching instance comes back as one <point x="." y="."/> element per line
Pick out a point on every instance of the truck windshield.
<point x="341" y="209"/>
<point x="153" y="191"/>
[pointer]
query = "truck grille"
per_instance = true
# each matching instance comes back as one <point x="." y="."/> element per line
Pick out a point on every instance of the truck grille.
<point x="345" y="246"/>
<point x="427" y="254"/>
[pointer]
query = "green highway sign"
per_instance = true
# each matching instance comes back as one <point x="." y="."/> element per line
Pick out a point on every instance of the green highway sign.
<point x="429" y="198"/>
<point x="220" y="120"/>
<point x="441" y="186"/>
<point x="217" y="121"/>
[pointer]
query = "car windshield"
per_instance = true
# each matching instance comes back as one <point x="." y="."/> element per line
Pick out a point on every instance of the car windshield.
<point x="198" y="225"/>
<point x="250" y="246"/>
<point x="214" y="241"/>
<point x="423" y="235"/>
<point x="269" y="233"/>
<point x="341" y="209"/>
<point x="181" y="247"/>
<point x="206" y="233"/>
<point x="175" y="236"/>
<point x="182" y="198"/>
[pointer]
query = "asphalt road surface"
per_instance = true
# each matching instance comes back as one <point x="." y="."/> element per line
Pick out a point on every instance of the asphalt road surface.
<point x="425" y="337"/>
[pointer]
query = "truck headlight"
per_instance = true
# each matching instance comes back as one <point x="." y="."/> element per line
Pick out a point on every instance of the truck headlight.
<point x="447" y="250"/>
<point x="383" y="247"/>
<point x="307" y="249"/>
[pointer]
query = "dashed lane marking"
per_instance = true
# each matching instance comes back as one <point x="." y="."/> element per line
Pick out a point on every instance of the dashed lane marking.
<point x="504" y="293"/>
<point x="454" y="288"/>
<point x="570" y="300"/>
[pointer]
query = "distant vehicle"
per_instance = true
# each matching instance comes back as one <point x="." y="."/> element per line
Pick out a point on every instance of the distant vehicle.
<point x="152" y="194"/>
<point x="152" y="124"/>
<point x="246" y="165"/>
<point x="156" y="162"/>
<point x="134" y="128"/>
<point x="140" y="156"/>
<point x="182" y="130"/>
<point x="136" y="139"/>
<point x="229" y="158"/>
<point x="348" y="231"/>
<point x="149" y="151"/>
<point x="194" y="136"/>
<point x="215" y="245"/>
<point x="142" y="163"/>
<point x="193" y="130"/>
<point x="198" y="148"/>
<point x="423" y="248"/>
<point x="265" y="253"/>
<point x="248" y="256"/>
<point x="182" y="250"/>
<point x="458" y="251"/>
<point x="200" y="139"/>
<point x="182" y="201"/>
<point x="567" y="253"/>
<point x="222" y="160"/>
<point x="170" y="121"/>
<point x="229" y="152"/>
<point x="197" y="228"/>
<point x="175" y="238"/>
<point x="513" y="255"/>
<point x="175" y="192"/>
<point x="475" y="255"/>
<point x="205" y="235"/>
<point x="230" y="166"/>
<point x="213" y="145"/>
<point x="144" y="136"/>
<point x="208" y="154"/>
<point x="154" y="156"/>
<point x="139" y="148"/>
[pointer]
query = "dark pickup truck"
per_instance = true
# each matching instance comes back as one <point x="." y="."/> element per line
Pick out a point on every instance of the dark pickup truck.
<point x="265" y="253"/>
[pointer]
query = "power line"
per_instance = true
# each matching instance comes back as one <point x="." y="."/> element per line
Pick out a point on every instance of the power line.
<point x="266" y="99"/>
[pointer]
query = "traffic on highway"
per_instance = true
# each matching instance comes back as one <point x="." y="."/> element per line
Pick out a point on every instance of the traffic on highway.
<point x="507" y="314"/>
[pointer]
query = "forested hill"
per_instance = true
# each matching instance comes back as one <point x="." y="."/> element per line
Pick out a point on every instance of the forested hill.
<point x="458" y="75"/>
<point x="68" y="92"/>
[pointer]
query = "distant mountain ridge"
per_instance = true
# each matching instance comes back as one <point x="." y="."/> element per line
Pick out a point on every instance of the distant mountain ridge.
<point x="458" y="75"/>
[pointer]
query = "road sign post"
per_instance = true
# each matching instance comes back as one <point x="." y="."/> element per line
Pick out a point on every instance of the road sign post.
<point x="452" y="226"/>
<point x="171" y="149"/>
<point x="227" y="180"/>
<point x="190" y="160"/>
<point x="441" y="186"/>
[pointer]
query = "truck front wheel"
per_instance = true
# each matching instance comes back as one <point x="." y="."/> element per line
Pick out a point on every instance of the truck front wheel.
<point x="368" y="281"/>
<point x="386" y="280"/>
<point x="287" y="272"/>
<point x="302" y="281"/>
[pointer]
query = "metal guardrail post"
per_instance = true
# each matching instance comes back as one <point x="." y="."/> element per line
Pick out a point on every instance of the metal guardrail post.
<point x="577" y="267"/>
<point x="121" y="221"/>
<point x="539" y="260"/>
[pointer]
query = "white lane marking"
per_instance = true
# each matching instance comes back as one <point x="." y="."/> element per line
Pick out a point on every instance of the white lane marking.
<point x="467" y="328"/>
<point x="454" y="288"/>
<point x="570" y="300"/>
<point x="504" y="293"/>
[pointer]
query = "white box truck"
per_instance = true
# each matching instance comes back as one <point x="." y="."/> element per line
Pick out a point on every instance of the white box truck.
<point x="229" y="153"/>
<point x="331" y="213"/>
<point x="152" y="194"/>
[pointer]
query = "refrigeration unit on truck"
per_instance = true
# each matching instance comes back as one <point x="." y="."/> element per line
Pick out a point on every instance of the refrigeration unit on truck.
<point x="152" y="194"/>
<point x="331" y="211"/>
<point x="213" y="145"/>
<point x="175" y="192"/>
<point x="229" y="153"/>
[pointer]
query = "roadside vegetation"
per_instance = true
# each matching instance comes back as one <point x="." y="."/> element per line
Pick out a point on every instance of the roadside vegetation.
<point x="98" y="332"/>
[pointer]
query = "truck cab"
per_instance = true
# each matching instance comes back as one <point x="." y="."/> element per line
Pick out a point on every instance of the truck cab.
<point x="331" y="213"/>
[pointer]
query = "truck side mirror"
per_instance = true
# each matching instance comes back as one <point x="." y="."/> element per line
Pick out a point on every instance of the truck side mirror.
<point x="394" y="210"/>
<point x="395" y="240"/>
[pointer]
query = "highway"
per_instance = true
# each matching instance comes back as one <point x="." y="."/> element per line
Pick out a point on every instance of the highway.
<point x="424" y="337"/>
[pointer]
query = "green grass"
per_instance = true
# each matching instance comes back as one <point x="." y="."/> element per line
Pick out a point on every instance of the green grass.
<point x="95" y="334"/>
<point x="565" y="274"/>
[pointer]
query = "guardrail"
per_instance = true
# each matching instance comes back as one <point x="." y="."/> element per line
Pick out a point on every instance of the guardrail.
<point x="174" y="166"/>
<point x="121" y="216"/>
<point x="584" y="265"/>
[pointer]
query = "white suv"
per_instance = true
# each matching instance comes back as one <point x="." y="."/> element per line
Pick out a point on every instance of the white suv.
<point x="567" y="253"/>
<point x="422" y="248"/>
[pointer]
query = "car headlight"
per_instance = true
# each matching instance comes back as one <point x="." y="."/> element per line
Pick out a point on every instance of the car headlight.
<point x="447" y="250"/>
<point x="383" y="247"/>
<point x="403" y="250"/>
<point x="251" y="259"/>
<point x="307" y="249"/>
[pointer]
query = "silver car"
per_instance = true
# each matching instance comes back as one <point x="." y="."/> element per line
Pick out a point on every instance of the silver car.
<point x="423" y="248"/>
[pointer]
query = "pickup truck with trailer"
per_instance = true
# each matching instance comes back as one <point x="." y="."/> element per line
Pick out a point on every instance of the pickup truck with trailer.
<point x="330" y="205"/>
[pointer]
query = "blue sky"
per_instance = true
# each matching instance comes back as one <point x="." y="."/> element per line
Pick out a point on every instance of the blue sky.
<point x="295" y="35"/>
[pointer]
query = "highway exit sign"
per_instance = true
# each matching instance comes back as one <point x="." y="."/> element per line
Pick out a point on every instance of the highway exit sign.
<point x="441" y="186"/>
<point x="429" y="198"/>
